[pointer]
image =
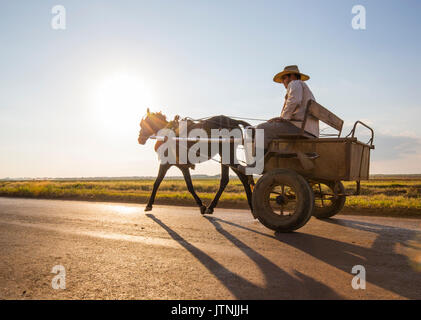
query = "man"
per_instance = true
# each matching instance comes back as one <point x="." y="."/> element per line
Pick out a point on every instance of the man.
<point x="292" y="114"/>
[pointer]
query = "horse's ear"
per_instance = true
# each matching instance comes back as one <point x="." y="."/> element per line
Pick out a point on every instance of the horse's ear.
<point x="147" y="111"/>
<point x="177" y="117"/>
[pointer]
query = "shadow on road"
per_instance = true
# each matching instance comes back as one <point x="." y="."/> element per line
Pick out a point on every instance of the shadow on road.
<point x="386" y="268"/>
<point x="279" y="284"/>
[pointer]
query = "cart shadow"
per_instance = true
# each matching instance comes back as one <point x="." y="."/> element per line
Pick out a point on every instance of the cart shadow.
<point x="401" y="277"/>
<point x="398" y="247"/>
<point x="278" y="283"/>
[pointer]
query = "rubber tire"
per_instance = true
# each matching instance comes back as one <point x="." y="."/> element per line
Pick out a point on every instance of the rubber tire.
<point x="337" y="204"/>
<point x="304" y="207"/>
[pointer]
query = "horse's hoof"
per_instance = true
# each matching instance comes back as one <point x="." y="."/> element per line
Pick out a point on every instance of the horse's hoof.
<point x="202" y="209"/>
<point x="209" y="211"/>
<point x="148" y="208"/>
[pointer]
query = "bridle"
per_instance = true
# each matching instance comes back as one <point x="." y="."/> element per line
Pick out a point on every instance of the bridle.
<point x="148" y="127"/>
<point x="146" y="130"/>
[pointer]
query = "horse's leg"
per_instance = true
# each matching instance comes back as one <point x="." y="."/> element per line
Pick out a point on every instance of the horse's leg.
<point x="163" y="168"/>
<point x="246" y="183"/>
<point x="223" y="183"/>
<point x="189" y="184"/>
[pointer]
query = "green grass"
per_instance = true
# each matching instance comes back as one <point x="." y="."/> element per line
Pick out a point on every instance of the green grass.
<point x="399" y="196"/>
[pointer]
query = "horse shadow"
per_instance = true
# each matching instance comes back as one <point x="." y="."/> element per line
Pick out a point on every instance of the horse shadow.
<point x="385" y="267"/>
<point x="278" y="283"/>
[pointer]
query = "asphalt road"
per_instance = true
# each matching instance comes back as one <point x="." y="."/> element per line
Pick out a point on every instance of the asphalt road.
<point x="116" y="251"/>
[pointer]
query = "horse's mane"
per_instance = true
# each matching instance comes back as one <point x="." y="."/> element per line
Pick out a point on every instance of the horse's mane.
<point x="175" y="125"/>
<point x="159" y="115"/>
<point x="152" y="119"/>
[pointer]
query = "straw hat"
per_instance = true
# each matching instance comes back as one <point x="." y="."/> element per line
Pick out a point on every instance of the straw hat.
<point x="289" y="70"/>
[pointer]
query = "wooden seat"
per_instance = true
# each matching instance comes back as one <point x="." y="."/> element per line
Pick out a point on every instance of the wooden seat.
<point x="313" y="109"/>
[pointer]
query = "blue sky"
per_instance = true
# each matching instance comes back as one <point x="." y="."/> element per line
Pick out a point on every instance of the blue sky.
<point x="71" y="100"/>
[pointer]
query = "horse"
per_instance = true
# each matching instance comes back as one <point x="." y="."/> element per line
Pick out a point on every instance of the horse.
<point x="155" y="121"/>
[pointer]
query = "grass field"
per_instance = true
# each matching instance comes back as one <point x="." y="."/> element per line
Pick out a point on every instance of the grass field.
<point x="386" y="196"/>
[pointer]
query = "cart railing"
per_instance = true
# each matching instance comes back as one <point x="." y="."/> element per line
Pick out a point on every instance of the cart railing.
<point x="352" y="132"/>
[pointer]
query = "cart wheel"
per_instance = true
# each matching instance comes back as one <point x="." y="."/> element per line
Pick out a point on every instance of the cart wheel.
<point x="283" y="200"/>
<point x="326" y="204"/>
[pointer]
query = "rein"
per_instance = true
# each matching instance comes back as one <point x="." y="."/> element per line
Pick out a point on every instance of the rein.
<point x="237" y="118"/>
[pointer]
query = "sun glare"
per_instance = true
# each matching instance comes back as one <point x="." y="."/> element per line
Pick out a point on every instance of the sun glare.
<point x="120" y="100"/>
<point x="123" y="209"/>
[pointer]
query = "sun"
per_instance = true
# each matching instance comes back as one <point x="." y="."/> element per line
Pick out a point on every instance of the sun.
<point x="120" y="101"/>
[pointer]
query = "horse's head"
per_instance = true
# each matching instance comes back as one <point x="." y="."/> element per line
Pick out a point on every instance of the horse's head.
<point x="150" y="125"/>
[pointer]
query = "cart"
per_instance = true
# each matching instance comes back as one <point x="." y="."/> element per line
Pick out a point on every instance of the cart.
<point x="303" y="176"/>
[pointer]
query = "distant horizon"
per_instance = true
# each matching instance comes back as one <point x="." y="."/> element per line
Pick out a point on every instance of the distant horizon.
<point x="170" y="177"/>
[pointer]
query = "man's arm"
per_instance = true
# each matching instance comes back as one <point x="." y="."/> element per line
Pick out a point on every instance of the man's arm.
<point x="295" y="96"/>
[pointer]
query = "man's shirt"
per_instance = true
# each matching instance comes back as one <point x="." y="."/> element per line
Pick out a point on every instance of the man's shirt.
<point x="298" y="94"/>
